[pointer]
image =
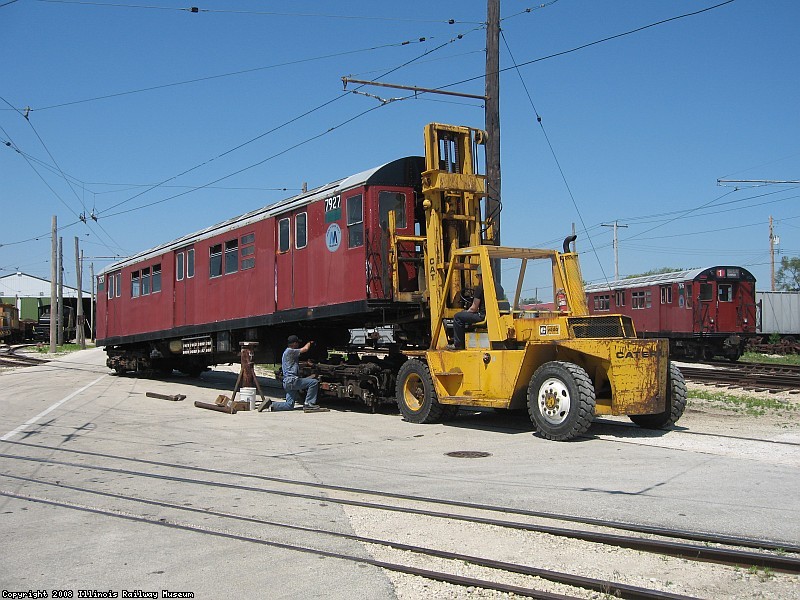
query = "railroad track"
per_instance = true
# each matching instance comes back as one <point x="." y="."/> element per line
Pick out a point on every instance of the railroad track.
<point x="10" y="358"/>
<point x="440" y="564"/>
<point x="749" y="376"/>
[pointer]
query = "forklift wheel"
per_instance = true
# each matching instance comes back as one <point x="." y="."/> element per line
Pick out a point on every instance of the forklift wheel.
<point x="561" y="400"/>
<point x="416" y="396"/>
<point x="676" y="403"/>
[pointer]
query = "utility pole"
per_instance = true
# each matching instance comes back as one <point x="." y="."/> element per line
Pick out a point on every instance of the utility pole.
<point x="492" y="118"/>
<point x="94" y="299"/>
<point x="53" y="275"/>
<point x="615" y="225"/>
<point x="79" y="334"/>
<point x="774" y="240"/>
<point x="60" y="290"/>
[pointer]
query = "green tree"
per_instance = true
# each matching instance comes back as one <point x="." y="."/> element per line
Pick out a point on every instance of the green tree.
<point x="788" y="276"/>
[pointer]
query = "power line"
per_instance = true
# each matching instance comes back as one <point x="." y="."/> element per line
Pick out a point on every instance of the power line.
<point x="222" y="75"/>
<point x="196" y="10"/>
<point x="261" y="162"/>
<point x="552" y="151"/>
<point x="594" y="43"/>
<point x="273" y="130"/>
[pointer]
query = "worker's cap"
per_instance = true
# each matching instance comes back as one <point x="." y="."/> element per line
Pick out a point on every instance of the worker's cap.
<point x="293" y="339"/>
<point x="479" y="271"/>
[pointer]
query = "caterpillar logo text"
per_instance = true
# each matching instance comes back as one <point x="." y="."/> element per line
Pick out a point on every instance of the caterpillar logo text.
<point x="637" y="354"/>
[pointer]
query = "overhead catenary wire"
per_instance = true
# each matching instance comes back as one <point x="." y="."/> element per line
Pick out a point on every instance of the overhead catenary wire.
<point x="223" y="75"/>
<point x="590" y="44"/>
<point x="273" y="130"/>
<point x="553" y="153"/>
<point x="198" y="10"/>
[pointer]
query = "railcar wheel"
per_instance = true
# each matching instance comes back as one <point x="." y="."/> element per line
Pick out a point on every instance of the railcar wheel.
<point x="416" y="395"/>
<point x="676" y="403"/>
<point x="561" y="400"/>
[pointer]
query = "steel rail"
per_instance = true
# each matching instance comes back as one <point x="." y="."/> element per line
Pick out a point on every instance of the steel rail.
<point x="428" y="574"/>
<point x="743" y="378"/>
<point x="616" y="589"/>
<point x="637" y="528"/>
<point x="787" y="563"/>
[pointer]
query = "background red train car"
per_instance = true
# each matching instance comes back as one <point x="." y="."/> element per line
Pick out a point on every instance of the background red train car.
<point x="316" y="261"/>
<point x="704" y="312"/>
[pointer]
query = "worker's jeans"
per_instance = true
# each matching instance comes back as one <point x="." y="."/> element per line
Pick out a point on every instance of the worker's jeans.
<point x="460" y="323"/>
<point x="294" y="386"/>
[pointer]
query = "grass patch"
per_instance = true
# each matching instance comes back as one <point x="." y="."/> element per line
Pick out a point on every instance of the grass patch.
<point x="62" y="349"/>
<point x="787" y="359"/>
<point x="744" y="404"/>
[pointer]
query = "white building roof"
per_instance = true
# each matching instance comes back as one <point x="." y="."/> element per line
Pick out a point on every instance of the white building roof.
<point x="22" y="285"/>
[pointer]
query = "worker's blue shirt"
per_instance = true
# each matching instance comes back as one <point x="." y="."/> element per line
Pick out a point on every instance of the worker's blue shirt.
<point x="290" y="364"/>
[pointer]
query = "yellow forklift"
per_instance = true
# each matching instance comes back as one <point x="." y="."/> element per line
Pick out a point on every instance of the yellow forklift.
<point x="564" y="365"/>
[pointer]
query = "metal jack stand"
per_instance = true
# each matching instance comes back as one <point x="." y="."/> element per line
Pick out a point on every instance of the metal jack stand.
<point x="247" y="375"/>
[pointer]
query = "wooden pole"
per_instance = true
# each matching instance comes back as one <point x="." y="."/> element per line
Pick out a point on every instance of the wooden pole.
<point x="492" y="115"/>
<point x="53" y="276"/>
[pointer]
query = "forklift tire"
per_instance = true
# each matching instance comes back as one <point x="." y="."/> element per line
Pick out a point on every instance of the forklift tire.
<point x="416" y="395"/>
<point x="561" y="400"/>
<point x="676" y="403"/>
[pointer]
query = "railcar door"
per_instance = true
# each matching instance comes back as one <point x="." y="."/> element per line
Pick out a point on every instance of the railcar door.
<point x="284" y="278"/>
<point x="184" y="300"/>
<point x="705" y="308"/>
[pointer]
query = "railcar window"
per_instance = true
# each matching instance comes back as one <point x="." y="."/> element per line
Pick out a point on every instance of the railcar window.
<point x="190" y="264"/>
<point x="619" y="298"/>
<point x="388" y="201"/>
<point x="301" y="230"/>
<point x="231" y="256"/>
<point x="215" y="262"/>
<point x="688" y="295"/>
<point x="156" y="278"/>
<point x="135" y="284"/>
<point x="666" y="294"/>
<point x="101" y="284"/>
<point x="248" y="249"/>
<point x="145" y="281"/>
<point x="355" y="221"/>
<point x="110" y="287"/>
<point x="725" y="292"/>
<point x="118" y="284"/>
<point x="283" y="235"/>
<point x="706" y="291"/>
<point x="641" y="300"/>
<point x="602" y="302"/>
<point x="179" y="266"/>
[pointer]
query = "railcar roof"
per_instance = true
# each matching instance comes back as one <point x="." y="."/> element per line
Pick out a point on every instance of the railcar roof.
<point x="664" y="278"/>
<point x="402" y="171"/>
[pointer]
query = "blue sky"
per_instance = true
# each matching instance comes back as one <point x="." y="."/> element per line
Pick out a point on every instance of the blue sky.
<point x="641" y="126"/>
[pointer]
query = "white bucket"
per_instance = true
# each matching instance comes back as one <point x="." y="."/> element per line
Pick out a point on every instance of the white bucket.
<point x="248" y="395"/>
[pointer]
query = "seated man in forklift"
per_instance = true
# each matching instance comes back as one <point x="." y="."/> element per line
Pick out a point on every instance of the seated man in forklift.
<point x="474" y="314"/>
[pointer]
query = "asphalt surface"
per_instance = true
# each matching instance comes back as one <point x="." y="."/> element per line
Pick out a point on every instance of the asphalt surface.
<point x="76" y="404"/>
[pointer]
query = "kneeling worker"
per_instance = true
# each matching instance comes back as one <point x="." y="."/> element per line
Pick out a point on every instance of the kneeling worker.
<point x="292" y="383"/>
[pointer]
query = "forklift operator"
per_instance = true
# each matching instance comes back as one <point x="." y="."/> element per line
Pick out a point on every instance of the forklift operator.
<point x="474" y="314"/>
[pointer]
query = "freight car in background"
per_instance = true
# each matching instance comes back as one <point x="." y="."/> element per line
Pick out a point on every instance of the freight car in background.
<point x="703" y="312"/>
<point x="778" y="323"/>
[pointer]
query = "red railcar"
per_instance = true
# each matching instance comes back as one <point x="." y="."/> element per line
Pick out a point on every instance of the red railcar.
<point x="315" y="262"/>
<point x="704" y="312"/>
